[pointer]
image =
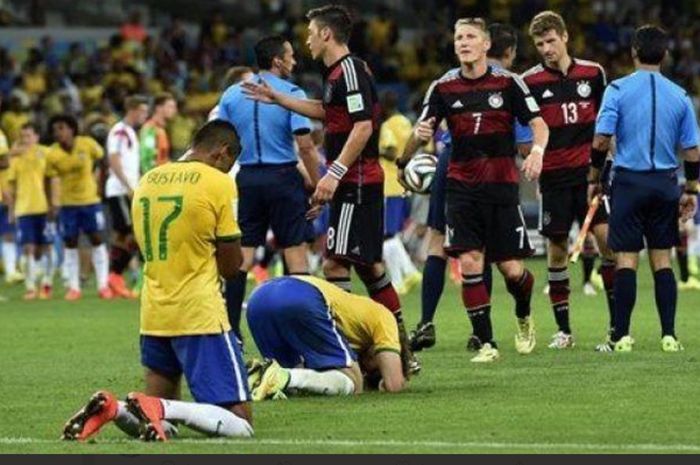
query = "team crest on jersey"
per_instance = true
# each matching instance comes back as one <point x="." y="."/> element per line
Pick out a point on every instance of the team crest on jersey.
<point x="584" y="89"/>
<point x="496" y="100"/>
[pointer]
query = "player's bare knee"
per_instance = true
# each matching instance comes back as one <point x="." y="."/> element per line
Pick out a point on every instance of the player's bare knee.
<point x="436" y="244"/>
<point x="512" y="270"/>
<point x="247" y="254"/>
<point x="660" y="259"/>
<point x="557" y="252"/>
<point x="296" y="260"/>
<point x="472" y="262"/>
<point x="335" y="269"/>
<point x="95" y="240"/>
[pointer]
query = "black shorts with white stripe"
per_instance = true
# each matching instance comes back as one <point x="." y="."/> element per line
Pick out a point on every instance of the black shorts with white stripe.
<point x="120" y="212"/>
<point x="356" y="227"/>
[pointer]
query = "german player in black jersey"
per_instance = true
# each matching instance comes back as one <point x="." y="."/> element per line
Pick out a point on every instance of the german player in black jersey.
<point x="484" y="220"/>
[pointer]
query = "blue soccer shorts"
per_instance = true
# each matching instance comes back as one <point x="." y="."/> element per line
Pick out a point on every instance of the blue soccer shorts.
<point x="396" y="210"/>
<point x="291" y="323"/>
<point x="33" y="229"/>
<point x="87" y="219"/>
<point x="212" y="365"/>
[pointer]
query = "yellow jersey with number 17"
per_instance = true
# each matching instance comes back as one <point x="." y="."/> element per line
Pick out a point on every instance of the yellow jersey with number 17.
<point x="180" y="210"/>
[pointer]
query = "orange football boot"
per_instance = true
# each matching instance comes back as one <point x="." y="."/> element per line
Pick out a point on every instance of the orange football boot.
<point x="100" y="410"/>
<point x="149" y="411"/>
<point x="118" y="286"/>
<point x="73" y="294"/>
<point x="105" y="293"/>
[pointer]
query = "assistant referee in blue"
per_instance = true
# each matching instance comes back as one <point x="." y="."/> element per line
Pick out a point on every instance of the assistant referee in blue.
<point x="271" y="191"/>
<point x="652" y="119"/>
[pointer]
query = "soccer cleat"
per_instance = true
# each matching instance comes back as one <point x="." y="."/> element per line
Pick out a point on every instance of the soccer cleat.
<point x="670" y="344"/>
<point x="255" y="369"/>
<point x="473" y="343"/>
<point x="45" y="292"/>
<point x="486" y="354"/>
<point x="31" y="294"/>
<point x="149" y="411"/>
<point x="692" y="284"/>
<point x="525" y="338"/>
<point x="561" y="340"/>
<point x="100" y="410"/>
<point x="273" y="382"/>
<point x="260" y="274"/>
<point x="597" y="280"/>
<point x="14" y="278"/>
<point x="118" y="286"/>
<point x="423" y="337"/>
<point x="589" y="290"/>
<point x="400" y="289"/>
<point x="545" y="289"/>
<point x="624" y="344"/>
<point x="607" y="346"/>
<point x="73" y="294"/>
<point x="105" y="293"/>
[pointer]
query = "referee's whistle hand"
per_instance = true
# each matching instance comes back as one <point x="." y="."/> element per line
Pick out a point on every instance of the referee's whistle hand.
<point x="688" y="206"/>
<point x="532" y="166"/>
<point x="325" y="189"/>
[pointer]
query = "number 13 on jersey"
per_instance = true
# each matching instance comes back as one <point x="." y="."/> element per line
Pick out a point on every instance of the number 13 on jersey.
<point x="162" y="228"/>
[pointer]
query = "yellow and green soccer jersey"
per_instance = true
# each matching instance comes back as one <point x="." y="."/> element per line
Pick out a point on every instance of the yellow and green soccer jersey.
<point x="27" y="172"/>
<point x="180" y="210"/>
<point x="365" y="323"/>
<point x="75" y="171"/>
<point x="394" y="133"/>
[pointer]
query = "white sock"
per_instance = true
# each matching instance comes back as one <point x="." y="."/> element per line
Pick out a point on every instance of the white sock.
<point x="207" y="418"/>
<point x="48" y="266"/>
<point x="30" y="276"/>
<point x="100" y="261"/>
<point x="9" y="257"/>
<point x="128" y="423"/>
<point x="72" y="260"/>
<point x="405" y="262"/>
<point x="327" y="383"/>
<point x="393" y="267"/>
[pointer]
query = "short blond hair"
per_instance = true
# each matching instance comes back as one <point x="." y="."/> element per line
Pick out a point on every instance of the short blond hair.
<point x="547" y="21"/>
<point x="479" y="23"/>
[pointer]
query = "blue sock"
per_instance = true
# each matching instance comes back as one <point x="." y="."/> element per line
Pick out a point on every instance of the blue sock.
<point x="666" y="296"/>
<point x="625" y="297"/>
<point x="234" y="295"/>
<point x="433" y="284"/>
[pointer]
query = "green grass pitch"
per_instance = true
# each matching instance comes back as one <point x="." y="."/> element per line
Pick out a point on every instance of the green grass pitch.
<point x="55" y="354"/>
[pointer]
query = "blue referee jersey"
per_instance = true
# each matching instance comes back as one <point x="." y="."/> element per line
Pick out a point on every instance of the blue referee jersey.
<point x="266" y="131"/>
<point x="651" y="118"/>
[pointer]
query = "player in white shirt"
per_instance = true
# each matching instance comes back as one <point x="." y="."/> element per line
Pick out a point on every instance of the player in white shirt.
<point x="123" y="155"/>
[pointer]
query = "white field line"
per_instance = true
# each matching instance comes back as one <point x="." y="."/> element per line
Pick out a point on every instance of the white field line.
<point x="393" y="444"/>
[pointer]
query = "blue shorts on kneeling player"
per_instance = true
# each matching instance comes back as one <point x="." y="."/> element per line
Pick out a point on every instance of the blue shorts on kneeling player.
<point x="87" y="219"/>
<point x="291" y="323"/>
<point x="212" y="365"/>
<point x="33" y="229"/>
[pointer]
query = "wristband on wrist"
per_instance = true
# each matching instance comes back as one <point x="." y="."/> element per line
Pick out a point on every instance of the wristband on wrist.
<point x="538" y="149"/>
<point x="598" y="158"/>
<point x="401" y="163"/>
<point x="337" y="170"/>
<point x="692" y="170"/>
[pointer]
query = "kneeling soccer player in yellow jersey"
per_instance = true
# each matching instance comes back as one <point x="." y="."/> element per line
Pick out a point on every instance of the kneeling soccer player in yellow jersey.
<point x="314" y="332"/>
<point x="184" y="224"/>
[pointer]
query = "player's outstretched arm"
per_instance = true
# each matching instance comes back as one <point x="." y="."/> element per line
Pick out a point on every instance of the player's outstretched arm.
<point x="262" y="92"/>
<point x="389" y="364"/>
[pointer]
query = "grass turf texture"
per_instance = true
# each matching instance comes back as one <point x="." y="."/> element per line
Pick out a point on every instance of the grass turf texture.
<point x="55" y="354"/>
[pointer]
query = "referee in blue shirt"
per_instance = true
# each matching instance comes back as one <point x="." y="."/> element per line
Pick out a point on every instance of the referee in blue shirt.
<point x="651" y="118"/>
<point x="271" y="189"/>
